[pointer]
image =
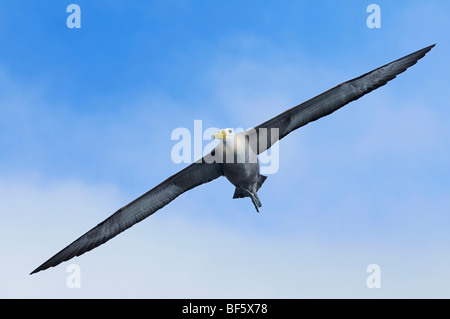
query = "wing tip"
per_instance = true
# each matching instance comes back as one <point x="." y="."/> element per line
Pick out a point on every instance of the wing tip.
<point x="428" y="48"/>
<point x="36" y="270"/>
<point x="44" y="266"/>
<point x="421" y="53"/>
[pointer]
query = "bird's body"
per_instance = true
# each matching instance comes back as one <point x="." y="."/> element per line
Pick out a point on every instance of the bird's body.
<point x="236" y="158"/>
<point x="244" y="175"/>
<point x="240" y="164"/>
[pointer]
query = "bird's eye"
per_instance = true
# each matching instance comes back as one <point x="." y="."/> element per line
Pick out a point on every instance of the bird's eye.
<point x="229" y="131"/>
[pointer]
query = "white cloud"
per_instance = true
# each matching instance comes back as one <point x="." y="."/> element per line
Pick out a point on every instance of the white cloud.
<point x="175" y="254"/>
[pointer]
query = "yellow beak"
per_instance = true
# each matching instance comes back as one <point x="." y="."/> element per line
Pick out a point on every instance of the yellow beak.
<point x="220" y="135"/>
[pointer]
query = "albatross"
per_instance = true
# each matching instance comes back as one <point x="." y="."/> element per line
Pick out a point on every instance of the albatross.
<point x="235" y="157"/>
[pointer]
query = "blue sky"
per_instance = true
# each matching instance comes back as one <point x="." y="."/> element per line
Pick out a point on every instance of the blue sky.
<point x="86" y="117"/>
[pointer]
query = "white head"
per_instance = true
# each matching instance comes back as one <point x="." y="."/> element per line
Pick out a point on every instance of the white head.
<point x="226" y="134"/>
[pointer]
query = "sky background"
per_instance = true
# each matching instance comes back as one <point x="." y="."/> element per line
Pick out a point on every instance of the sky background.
<point x="86" y="117"/>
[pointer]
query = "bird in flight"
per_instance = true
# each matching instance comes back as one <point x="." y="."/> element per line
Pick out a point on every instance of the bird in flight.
<point x="235" y="158"/>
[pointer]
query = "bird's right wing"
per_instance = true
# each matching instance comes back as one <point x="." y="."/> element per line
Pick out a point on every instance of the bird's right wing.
<point x="194" y="175"/>
<point x="263" y="136"/>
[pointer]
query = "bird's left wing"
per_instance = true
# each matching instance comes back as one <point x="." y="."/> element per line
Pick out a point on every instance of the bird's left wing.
<point x="194" y="175"/>
<point x="263" y="136"/>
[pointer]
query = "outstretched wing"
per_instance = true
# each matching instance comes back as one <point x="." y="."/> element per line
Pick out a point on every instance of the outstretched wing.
<point x="266" y="134"/>
<point x="144" y="206"/>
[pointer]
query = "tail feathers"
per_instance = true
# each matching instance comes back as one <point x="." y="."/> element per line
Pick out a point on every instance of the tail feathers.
<point x="261" y="180"/>
<point x="242" y="192"/>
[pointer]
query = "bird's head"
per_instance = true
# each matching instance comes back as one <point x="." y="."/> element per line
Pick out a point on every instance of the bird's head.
<point x="225" y="134"/>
